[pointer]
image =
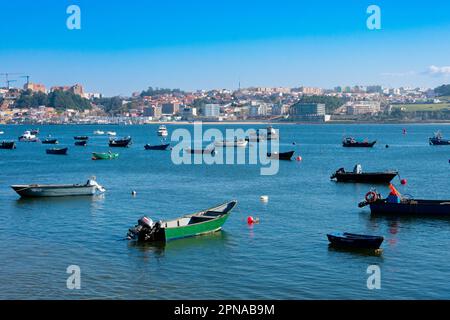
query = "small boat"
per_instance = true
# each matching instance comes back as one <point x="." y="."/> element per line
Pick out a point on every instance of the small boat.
<point x="27" y="136"/>
<point x="201" y="151"/>
<point x="157" y="147"/>
<point x="99" y="132"/>
<point x="356" y="241"/>
<point x="124" y="142"/>
<point x="397" y="205"/>
<point x="60" y="151"/>
<point x="203" y="222"/>
<point x="7" y="145"/>
<point x="111" y="133"/>
<point x="104" y="155"/>
<point x="81" y="138"/>
<point x="231" y="143"/>
<point x="162" y="131"/>
<point x="58" y="190"/>
<point x="271" y="133"/>
<point x="281" y="155"/>
<point x="2" y="132"/>
<point x="81" y="143"/>
<point x="352" y="143"/>
<point x="35" y="131"/>
<point x="50" y="141"/>
<point x="438" y="141"/>
<point x="363" y="177"/>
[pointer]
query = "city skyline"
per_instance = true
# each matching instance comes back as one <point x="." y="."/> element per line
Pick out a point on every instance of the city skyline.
<point x="122" y="48"/>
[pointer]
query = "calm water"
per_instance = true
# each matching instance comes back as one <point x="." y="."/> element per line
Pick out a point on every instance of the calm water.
<point x="286" y="256"/>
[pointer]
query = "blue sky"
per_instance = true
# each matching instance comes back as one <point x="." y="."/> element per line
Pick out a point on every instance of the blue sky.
<point x="126" y="46"/>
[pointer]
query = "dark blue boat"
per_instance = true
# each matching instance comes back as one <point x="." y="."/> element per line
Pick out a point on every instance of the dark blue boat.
<point x="50" y="141"/>
<point x="157" y="147"/>
<point x="121" y="143"/>
<point x="351" y="240"/>
<point x="60" y="151"/>
<point x="437" y="140"/>
<point x="81" y="137"/>
<point x="411" y="207"/>
<point x="7" y="145"/>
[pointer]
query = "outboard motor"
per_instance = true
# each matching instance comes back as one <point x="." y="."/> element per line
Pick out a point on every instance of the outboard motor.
<point x="145" y="222"/>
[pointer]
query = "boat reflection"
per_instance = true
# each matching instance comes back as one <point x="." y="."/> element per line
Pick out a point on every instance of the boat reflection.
<point x="356" y="251"/>
<point x="216" y="240"/>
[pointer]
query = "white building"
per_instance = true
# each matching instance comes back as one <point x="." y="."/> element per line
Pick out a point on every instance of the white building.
<point x="211" y="110"/>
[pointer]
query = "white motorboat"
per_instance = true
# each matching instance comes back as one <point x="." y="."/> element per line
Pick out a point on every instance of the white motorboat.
<point x="99" y="132"/>
<point x="111" y="133"/>
<point x="162" y="131"/>
<point x="58" y="190"/>
<point x="241" y="143"/>
<point x="27" y="136"/>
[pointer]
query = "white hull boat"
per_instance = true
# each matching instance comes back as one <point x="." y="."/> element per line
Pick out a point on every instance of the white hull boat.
<point x="58" y="190"/>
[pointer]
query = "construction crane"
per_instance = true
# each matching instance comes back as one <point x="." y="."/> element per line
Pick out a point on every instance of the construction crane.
<point x="8" y="82"/>
<point x="7" y="74"/>
<point x="28" y="79"/>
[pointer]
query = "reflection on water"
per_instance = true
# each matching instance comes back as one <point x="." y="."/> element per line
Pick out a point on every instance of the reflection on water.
<point x="356" y="251"/>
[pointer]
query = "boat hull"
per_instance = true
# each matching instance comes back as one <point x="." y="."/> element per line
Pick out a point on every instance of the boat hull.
<point x="377" y="178"/>
<point x="412" y="208"/>
<point x="7" y="145"/>
<point x="359" y="144"/>
<point x="50" y="141"/>
<point x="195" y="229"/>
<point x="439" y="142"/>
<point x="104" y="156"/>
<point x="119" y="143"/>
<point x="355" y="241"/>
<point x="281" y="155"/>
<point x="159" y="147"/>
<point x="37" y="191"/>
<point x="62" y="151"/>
<point x="81" y="143"/>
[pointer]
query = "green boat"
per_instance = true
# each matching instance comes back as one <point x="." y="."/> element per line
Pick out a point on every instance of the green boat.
<point x="104" y="156"/>
<point x="203" y="222"/>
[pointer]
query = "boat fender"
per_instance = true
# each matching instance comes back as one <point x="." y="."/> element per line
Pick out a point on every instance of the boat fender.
<point x="371" y="196"/>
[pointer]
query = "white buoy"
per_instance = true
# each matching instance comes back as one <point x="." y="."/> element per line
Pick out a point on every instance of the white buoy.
<point x="133" y="193"/>
<point x="264" y="198"/>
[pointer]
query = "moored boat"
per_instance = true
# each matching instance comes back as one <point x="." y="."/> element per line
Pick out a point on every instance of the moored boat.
<point x="99" y="132"/>
<point x="162" y="131"/>
<point x="237" y="143"/>
<point x="157" y="147"/>
<point x="203" y="222"/>
<point x="437" y="140"/>
<point x="207" y="150"/>
<point x="58" y="190"/>
<point x="363" y="177"/>
<point x="397" y="205"/>
<point x="7" y="145"/>
<point x="111" y="133"/>
<point x="281" y="155"/>
<point x="352" y="143"/>
<point x="81" y="143"/>
<point x="49" y="140"/>
<point x="27" y="136"/>
<point x="124" y="142"/>
<point x="35" y="131"/>
<point x="104" y="155"/>
<point x="58" y="151"/>
<point x="81" y="138"/>
<point x="356" y="241"/>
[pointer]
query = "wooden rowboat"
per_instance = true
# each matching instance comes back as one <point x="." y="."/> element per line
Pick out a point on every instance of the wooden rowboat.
<point x="203" y="222"/>
<point x="157" y="147"/>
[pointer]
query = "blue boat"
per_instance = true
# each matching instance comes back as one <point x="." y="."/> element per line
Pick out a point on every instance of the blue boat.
<point x="157" y="147"/>
<point x="351" y="240"/>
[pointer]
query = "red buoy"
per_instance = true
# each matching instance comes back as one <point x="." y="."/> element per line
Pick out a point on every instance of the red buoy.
<point x="250" y="220"/>
<point x="403" y="182"/>
<point x="299" y="158"/>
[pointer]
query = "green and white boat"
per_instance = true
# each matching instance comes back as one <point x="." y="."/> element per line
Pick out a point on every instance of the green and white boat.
<point x="203" y="222"/>
<point x="104" y="155"/>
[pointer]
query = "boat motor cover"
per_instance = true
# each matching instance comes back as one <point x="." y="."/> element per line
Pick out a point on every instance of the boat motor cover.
<point x="146" y="222"/>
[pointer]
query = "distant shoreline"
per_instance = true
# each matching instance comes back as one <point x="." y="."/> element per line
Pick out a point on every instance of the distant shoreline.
<point x="349" y="122"/>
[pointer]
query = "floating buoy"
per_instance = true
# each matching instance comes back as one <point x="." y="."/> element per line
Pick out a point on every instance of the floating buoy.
<point x="387" y="146"/>
<point x="133" y="193"/>
<point x="293" y="143"/>
<point x="264" y="198"/>
<point x="251" y="220"/>
<point x="403" y="182"/>
<point x="299" y="158"/>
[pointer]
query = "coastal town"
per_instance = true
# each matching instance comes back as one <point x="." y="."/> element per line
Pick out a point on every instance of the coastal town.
<point x="35" y="103"/>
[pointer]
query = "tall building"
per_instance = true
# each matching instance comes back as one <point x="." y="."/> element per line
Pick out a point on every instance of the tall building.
<point x="170" y="108"/>
<point x="211" y="110"/>
<point x="363" y="107"/>
<point x="307" y="112"/>
<point x="153" y="111"/>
